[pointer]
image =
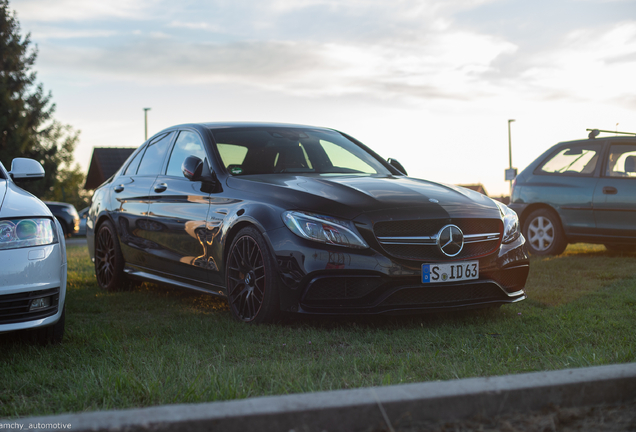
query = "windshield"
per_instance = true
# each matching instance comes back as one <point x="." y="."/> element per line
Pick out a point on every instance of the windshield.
<point x="247" y="151"/>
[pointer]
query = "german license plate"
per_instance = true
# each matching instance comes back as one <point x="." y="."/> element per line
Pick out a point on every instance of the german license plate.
<point x="452" y="272"/>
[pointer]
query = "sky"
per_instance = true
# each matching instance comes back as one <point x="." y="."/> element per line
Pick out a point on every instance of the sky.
<point x="431" y="83"/>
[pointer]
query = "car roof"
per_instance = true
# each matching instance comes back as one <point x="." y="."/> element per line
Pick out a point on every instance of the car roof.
<point x="612" y="138"/>
<point x="228" y="125"/>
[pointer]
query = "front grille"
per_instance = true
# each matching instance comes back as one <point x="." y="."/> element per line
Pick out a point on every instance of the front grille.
<point x="340" y="288"/>
<point x="416" y="239"/>
<point x="431" y="296"/>
<point x="14" y="308"/>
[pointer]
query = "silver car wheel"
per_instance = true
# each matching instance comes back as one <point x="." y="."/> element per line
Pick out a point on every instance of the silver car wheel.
<point x="541" y="233"/>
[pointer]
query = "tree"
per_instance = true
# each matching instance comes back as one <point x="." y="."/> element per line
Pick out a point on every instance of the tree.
<point x="27" y="126"/>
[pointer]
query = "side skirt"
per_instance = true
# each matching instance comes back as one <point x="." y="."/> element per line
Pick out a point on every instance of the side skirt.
<point x="142" y="275"/>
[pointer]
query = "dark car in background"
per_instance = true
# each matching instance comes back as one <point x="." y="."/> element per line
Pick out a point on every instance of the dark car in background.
<point x="66" y="214"/>
<point x="579" y="191"/>
<point x="285" y="218"/>
<point x="83" y="214"/>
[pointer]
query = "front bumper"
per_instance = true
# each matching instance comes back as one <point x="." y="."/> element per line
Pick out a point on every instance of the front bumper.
<point x="28" y="274"/>
<point x="331" y="280"/>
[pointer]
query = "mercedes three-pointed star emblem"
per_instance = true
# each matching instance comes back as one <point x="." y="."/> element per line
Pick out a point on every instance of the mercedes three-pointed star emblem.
<point x="450" y="240"/>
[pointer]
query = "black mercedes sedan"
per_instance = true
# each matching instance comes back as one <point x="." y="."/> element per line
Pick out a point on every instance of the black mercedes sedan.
<point x="285" y="218"/>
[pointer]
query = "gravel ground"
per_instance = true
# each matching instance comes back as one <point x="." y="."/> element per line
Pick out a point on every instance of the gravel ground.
<point x="604" y="418"/>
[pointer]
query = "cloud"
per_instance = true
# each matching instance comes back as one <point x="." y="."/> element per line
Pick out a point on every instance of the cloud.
<point x="406" y="49"/>
<point x="445" y="65"/>
<point x="585" y="63"/>
<point x="44" y="34"/>
<point x="195" y="26"/>
<point x="77" y="10"/>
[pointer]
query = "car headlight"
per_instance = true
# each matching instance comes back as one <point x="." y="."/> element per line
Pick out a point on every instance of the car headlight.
<point x="511" y="230"/>
<point x="19" y="233"/>
<point x="323" y="229"/>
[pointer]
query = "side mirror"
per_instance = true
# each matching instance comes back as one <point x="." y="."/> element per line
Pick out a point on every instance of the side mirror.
<point x="192" y="168"/>
<point x="395" y="164"/>
<point x="195" y="169"/>
<point x="26" y="169"/>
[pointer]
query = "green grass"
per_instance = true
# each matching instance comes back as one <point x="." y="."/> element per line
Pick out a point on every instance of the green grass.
<point x="157" y="345"/>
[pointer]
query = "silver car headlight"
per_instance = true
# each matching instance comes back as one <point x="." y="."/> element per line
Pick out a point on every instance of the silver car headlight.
<point x="20" y="233"/>
<point x="323" y="229"/>
<point x="511" y="230"/>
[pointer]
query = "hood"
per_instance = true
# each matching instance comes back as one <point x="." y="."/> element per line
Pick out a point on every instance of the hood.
<point x="349" y="196"/>
<point x="16" y="202"/>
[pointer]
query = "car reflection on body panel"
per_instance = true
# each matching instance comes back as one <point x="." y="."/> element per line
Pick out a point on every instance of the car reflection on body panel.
<point x="286" y="218"/>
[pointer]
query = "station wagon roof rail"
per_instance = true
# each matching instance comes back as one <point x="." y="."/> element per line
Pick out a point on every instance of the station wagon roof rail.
<point x="593" y="133"/>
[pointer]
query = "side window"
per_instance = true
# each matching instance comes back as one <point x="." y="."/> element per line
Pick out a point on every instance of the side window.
<point x="155" y="154"/>
<point x="621" y="161"/>
<point x="188" y="144"/>
<point x="132" y="168"/>
<point x="574" y="160"/>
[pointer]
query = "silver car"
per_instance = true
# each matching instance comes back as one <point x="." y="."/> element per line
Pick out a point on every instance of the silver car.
<point x="32" y="258"/>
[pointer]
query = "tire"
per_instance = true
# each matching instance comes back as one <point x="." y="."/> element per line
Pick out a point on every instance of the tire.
<point x="544" y="234"/>
<point x="109" y="261"/>
<point x="620" y="247"/>
<point x="52" y="334"/>
<point x="252" y="287"/>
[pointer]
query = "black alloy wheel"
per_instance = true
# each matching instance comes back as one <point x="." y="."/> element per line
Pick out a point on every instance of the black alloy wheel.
<point x="251" y="289"/>
<point x="109" y="261"/>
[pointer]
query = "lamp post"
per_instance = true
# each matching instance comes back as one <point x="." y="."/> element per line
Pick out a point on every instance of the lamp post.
<point x="146" y="122"/>
<point x="510" y="173"/>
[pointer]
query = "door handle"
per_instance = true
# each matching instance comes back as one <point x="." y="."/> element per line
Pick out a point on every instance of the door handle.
<point x="119" y="188"/>
<point x="161" y="187"/>
<point x="610" y="190"/>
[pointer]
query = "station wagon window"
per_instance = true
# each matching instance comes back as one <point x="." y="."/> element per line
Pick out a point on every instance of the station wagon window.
<point x="155" y="154"/>
<point x="621" y="161"/>
<point x="188" y="144"/>
<point x="573" y="160"/>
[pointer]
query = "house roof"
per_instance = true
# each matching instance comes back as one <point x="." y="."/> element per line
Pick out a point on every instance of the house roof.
<point x="476" y="187"/>
<point x="104" y="163"/>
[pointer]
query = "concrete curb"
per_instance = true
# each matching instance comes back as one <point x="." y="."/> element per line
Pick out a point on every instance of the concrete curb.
<point x="368" y="408"/>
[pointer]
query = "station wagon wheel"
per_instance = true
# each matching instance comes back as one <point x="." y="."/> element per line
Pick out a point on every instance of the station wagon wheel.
<point x="543" y="233"/>
<point x="109" y="261"/>
<point x="251" y="289"/>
